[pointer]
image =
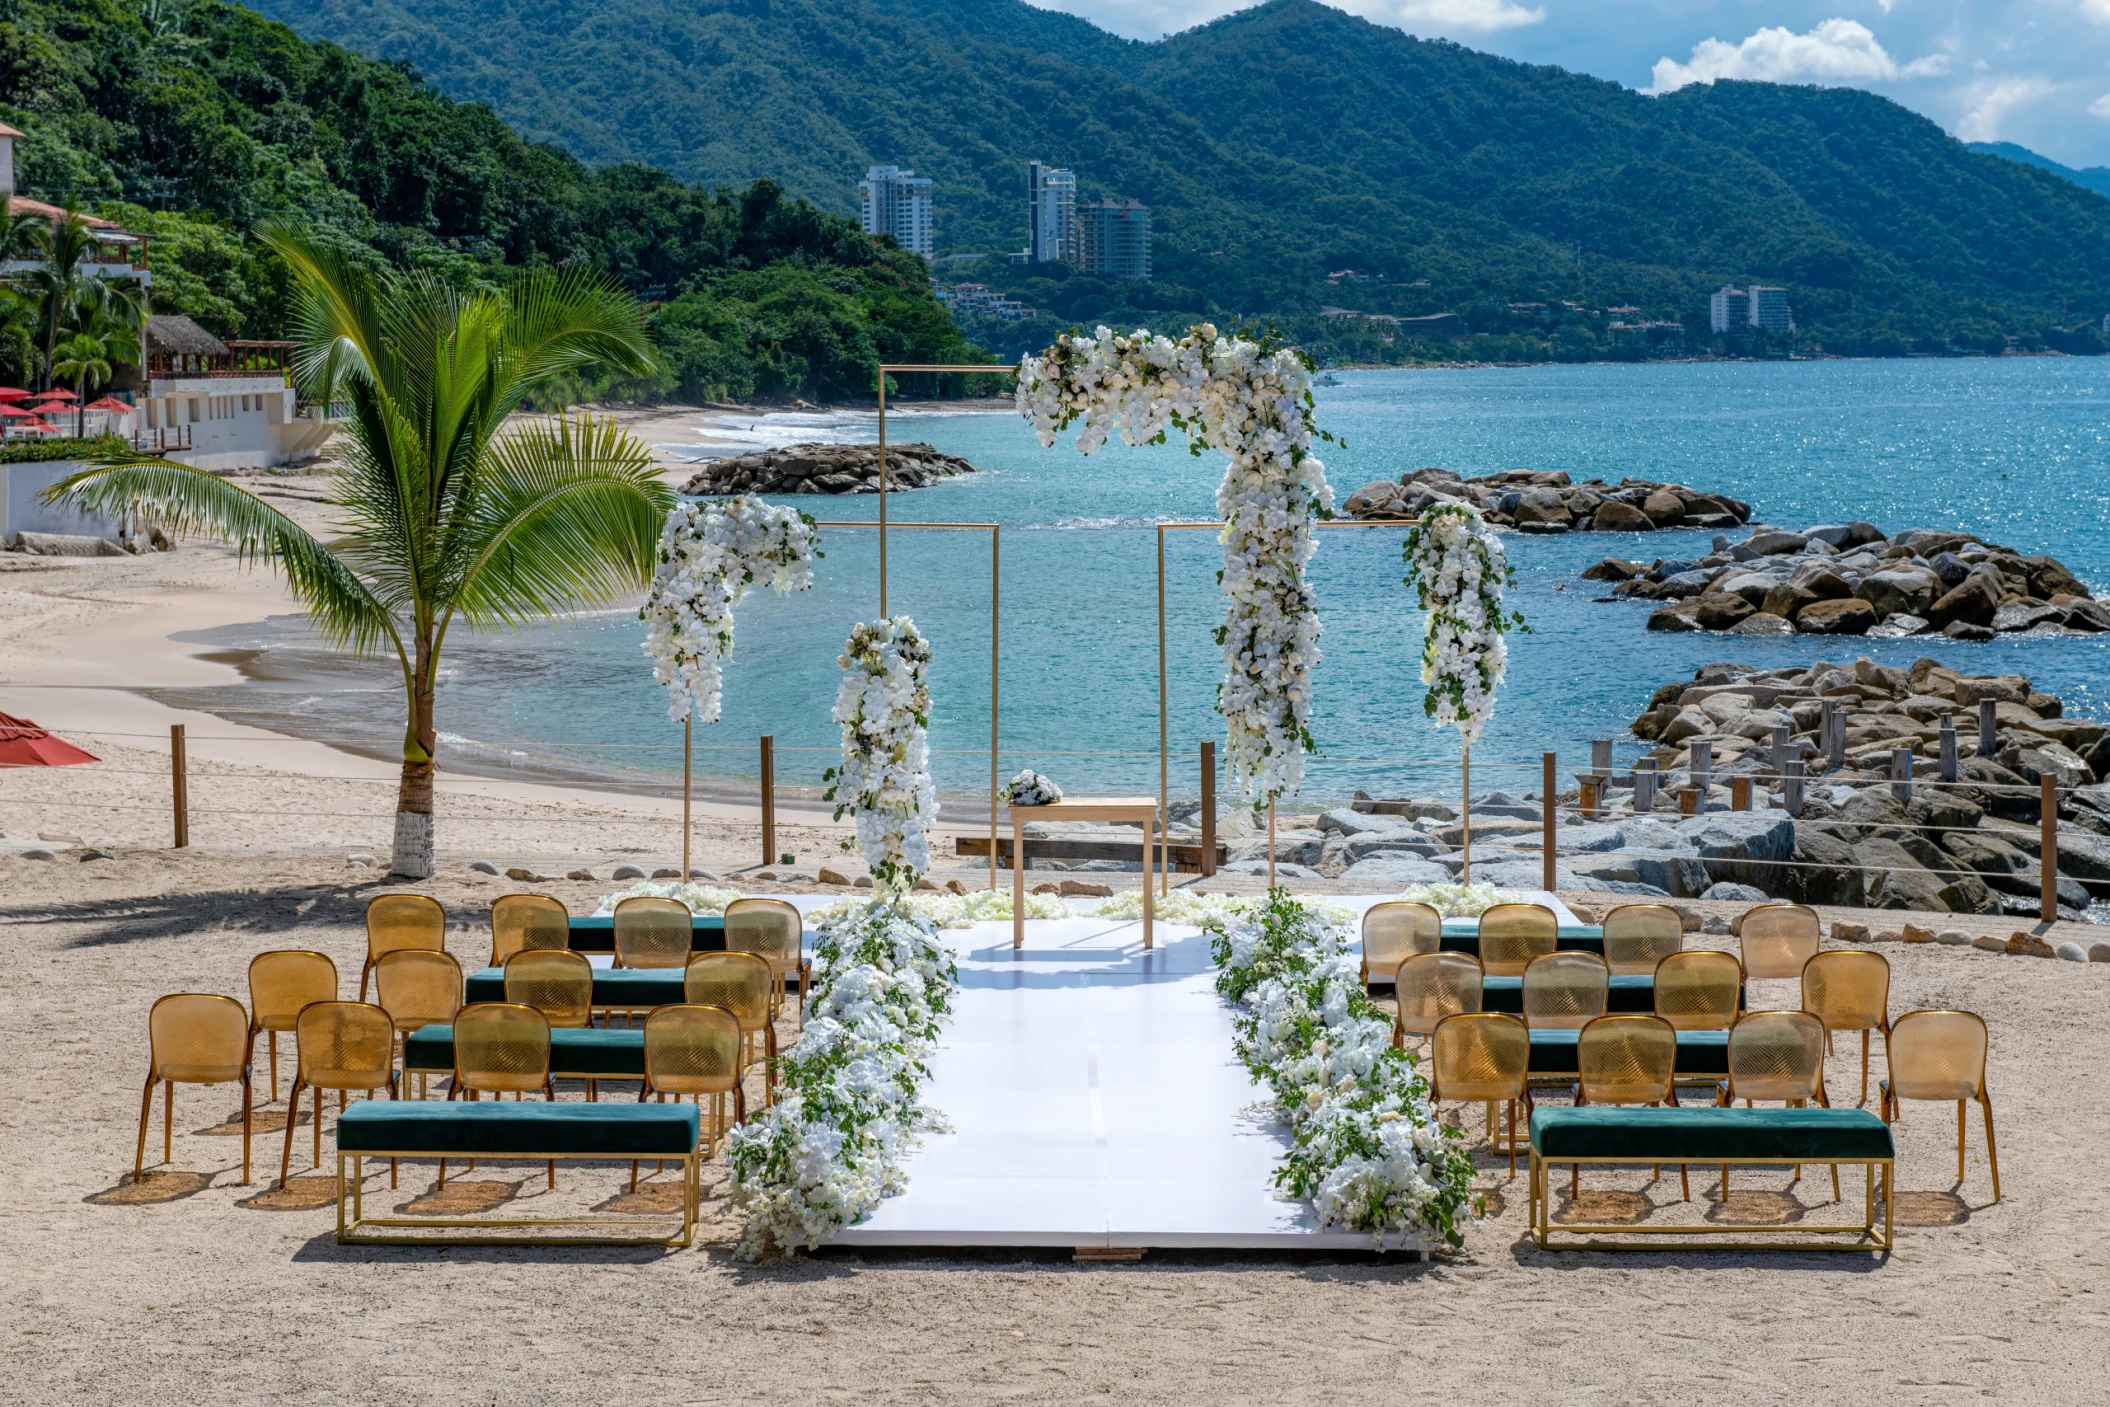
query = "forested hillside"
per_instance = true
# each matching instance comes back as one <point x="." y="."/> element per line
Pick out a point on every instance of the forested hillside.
<point x="1290" y="141"/>
<point x="191" y="119"/>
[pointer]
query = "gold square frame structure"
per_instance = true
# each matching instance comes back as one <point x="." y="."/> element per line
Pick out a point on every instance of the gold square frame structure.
<point x="355" y="1228"/>
<point x="1718" y="1236"/>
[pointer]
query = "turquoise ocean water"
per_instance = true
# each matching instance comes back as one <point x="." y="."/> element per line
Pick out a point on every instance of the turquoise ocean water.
<point x="2015" y="450"/>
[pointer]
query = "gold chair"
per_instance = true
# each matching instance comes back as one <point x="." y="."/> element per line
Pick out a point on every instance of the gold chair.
<point x="1511" y="935"/>
<point x="525" y="923"/>
<point x="1638" y="936"/>
<point x="773" y="931"/>
<point x="1431" y="986"/>
<point x="653" y="932"/>
<point x="280" y="984"/>
<point x="1565" y="991"/>
<point x="1483" y="1057"/>
<point x="417" y="987"/>
<point x="398" y="921"/>
<point x="193" y="1039"/>
<point x="342" y="1046"/>
<point x="500" y="1047"/>
<point x="1940" y="1055"/>
<point x="557" y="984"/>
<point x="695" y="1051"/>
<point x="1397" y="930"/>
<point x="1627" y="1059"/>
<point x="1776" y="1055"/>
<point x="742" y="984"/>
<point x="1777" y="939"/>
<point x="1848" y="989"/>
<point x="1697" y="990"/>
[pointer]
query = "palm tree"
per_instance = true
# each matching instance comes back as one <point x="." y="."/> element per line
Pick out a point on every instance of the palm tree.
<point x="83" y="359"/>
<point x="445" y="514"/>
<point x="62" y="245"/>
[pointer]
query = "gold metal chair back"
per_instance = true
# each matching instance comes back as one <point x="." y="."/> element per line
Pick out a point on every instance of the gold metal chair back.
<point x="1638" y="936"/>
<point x="501" y="1047"/>
<point x="417" y="987"/>
<point x="527" y="923"/>
<point x="345" y="1045"/>
<point x="773" y="931"/>
<point x="1481" y="1055"/>
<point x="1777" y="1055"/>
<point x="398" y="921"/>
<point x="1626" y="1059"/>
<point x="1938" y="1055"/>
<point x="557" y="984"/>
<point x="1698" y="989"/>
<point x="1565" y="991"/>
<point x="1777" y="939"/>
<point x="693" y="1050"/>
<point x="1511" y="935"/>
<point x="1848" y="989"/>
<point x="653" y="932"/>
<point x="739" y="982"/>
<point x="1397" y="930"/>
<point x="1432" y="986"/>
<point x="198" y="1039"/>
<point x="282" y="982"/>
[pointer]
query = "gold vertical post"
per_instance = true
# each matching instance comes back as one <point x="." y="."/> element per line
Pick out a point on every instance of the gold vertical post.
<point x="179" y="778"/>
<point x="1164" y="715"/>
<point x="1546" y="786"/>
<point x="688" y="727"/>
<point x="1271" y="843"/>
<point x="769" y="799"/>
<point x="1465" y="808"/>
<point x="1208" y="818"/>
<point x="882" y="493"/>
<point x="2047" y="850"/>
<point x="995" y="576"/>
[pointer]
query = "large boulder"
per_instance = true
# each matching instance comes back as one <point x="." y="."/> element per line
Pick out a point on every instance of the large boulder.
<point x="1900" y="590"/>
<point x="1986" y="854"/>
<point x="1742" y="847"/>
<point x="1718" y="610"/>
<point x="1848" y="616"/>
<point x="1397" y="872"/>
<point x="1845" y="535"/>
<point x="1975" y="601"/>
<point x="1543" y="505"/>
<point x="1897" y="881"/>
<point x="2052" y="760"/>
<point x="1761" y="623"/>
<point x="2087" y="858"/>
<point x="1820" y="579"/>
<point x="1362" y="847"/>
<point x="1378" y="500"/>
<point x="1786" y="600"/>
<point x="1614" y="516"/>
<point x="2048" y="577"/>
<point x="1680" y="875"/>
<point x="1664" y="508"/>
<point x="1343" y="820"/>
<point x="1824" y="872"/>
<point x="1774" y="543"/>
<point x="1752" y="586"/>
<point x="1613" y="569"/>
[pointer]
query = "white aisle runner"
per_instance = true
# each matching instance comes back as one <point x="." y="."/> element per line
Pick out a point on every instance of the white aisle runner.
<point x="1093" y="1100"/>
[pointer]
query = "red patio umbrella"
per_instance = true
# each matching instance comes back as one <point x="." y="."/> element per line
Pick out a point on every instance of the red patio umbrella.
<point x="57" y="393"/>
<point x="13" y="393"/>
<point x="15" y="412"/>
<point x="24" y="744"/>
<point x="112" y="404"/>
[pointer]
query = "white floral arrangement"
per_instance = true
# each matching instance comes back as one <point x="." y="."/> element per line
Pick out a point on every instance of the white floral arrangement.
<point x="1253" y="402"/>
<point x="1456" y="566"/>
<point x="883" y="708"/>
<point x="1029" y="788"/>
<point x="709" y="554"/>
<point x="1460" y="900"/>
<point x="833" y="1146"/>
<point x="1368" y="1149"/>
<point x="1213" y="913"/>
<point x="701" y="898"/>
<point x="960" y="910"/>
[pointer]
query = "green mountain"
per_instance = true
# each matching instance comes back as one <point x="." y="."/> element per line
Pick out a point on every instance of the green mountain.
<point x="2092" y="178"/>
<point x="189" y="120"/>
<point x="1290" y="141"/>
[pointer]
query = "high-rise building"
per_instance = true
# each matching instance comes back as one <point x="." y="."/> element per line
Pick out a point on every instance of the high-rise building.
<point x="896" y="202"/>
<point x="1113" y="239"/>
<point x="1051" y="214"/>
<point x="1726" y="308"/>
<point x="1769" y="309"/>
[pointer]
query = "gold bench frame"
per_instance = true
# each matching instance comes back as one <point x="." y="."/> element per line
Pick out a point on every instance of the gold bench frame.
<point x="356" y="1231"/>
<point x="1866" y="1236"/>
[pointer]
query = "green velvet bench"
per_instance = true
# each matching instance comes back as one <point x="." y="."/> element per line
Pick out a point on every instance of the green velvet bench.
<point x="411" y="1128"/>
<point x="1630" y="1135"/>
<point x="614" y="988"/>
<point x="575" y="1053"/>
<point x="1700" y="1054"/>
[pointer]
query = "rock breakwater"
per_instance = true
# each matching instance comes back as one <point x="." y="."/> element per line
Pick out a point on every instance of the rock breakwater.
<point x="1547" y="502"/>
<point x="825" y="469"/>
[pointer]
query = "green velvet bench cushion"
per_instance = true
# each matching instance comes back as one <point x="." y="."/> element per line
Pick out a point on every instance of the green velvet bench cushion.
<point x="1651" y="1135"/>
<point x="1464" y="937"/>
<point x="455" y="1129"/>
<point x="595" y="933"/>
<point x="589" y="1052"/>
<point x="1699" y="1052"/>
<point x="619" y="988"/>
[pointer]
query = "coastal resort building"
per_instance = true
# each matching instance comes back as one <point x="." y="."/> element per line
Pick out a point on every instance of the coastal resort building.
<point x="895" y="202"/>
<point x="1113" y="239"/>
<point x="1051" y="215"/>
<point x="222" y="405"/>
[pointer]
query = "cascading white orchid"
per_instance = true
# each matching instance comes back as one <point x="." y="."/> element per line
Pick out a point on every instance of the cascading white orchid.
<point x="1253" y="403"/>
<point x="1455" y="563"/>
<point x="709" y="554"/>
<point x="883" y="707"/>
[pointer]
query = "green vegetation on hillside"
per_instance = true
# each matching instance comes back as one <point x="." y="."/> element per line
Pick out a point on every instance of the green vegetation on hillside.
<point x="190" y="120"/>
<point x="1290" y="141"/>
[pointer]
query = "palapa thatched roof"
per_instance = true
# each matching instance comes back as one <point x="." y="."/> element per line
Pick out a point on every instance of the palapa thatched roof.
<point x="172" y="332"/>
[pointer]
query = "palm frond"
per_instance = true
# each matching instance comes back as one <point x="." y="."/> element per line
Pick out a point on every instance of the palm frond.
<point x="562" y="320"/>
<point x="188" y="500"/>
<point x="336" y="317"/>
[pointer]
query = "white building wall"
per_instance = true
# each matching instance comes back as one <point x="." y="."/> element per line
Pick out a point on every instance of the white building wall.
<point x="21" y="513"/>
<point x="234" y="422"/>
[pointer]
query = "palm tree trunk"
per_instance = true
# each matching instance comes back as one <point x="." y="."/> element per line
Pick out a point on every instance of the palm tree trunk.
<point x="413" y="840"/>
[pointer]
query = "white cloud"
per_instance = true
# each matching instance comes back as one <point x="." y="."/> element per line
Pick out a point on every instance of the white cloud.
<point x="2097" y="10"/>
<point x="2100" y="107"/>
<point x="1991" y="102"/>
<point x="1835" y="51"/>
<point x="1449" y="16"/>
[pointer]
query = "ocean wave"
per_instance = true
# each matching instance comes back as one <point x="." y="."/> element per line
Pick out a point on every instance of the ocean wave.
<point x="1072" y="525"/>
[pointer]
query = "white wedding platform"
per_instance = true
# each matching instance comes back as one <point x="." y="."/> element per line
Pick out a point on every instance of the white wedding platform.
<point x="1092" y="1100"/>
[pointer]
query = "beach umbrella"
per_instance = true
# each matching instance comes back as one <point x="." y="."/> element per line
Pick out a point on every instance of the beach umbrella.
<point x="15" y="412"/>
<point x="57" y="393"/>
<point x="24" y="744"/>
<point x="13" y="393"/>
<point x="111" y="404"/>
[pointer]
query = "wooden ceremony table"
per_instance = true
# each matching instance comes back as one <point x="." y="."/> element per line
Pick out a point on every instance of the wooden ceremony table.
<point x="1083" y="808"/>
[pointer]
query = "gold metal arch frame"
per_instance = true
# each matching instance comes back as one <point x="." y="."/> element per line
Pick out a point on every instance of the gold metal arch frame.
<point x="1164" y="706"/>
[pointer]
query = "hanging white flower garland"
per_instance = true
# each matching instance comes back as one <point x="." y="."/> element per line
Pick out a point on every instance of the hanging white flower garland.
<point x="709" y="554"/>
<point x="1253" y="403"/>
<point x="883" y="707"/>
<point x="1455" y="564"/>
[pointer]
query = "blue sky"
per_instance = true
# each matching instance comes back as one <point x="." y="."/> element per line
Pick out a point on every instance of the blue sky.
<point x="2036" y="72"/>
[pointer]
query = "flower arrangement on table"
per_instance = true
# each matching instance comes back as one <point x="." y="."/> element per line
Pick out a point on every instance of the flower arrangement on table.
<point x="1456" y="566"/>
<point x="709" y="554"/>
<point x="701" y="898"/>
<point x="1459" y="900"/>
<point x="1029" y="788"/>
<point x="959" y="910"/>
<point x="833" y="1145"/>
<point x="1252" y="400"/>
<point x="1369" y="1151"/>
<point x="883" y="708"/>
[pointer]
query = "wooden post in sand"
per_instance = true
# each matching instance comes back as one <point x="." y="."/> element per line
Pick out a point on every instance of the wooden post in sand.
<point x="687" y="727"/>
<point x="1208" y="816"/>
<point x="2048" y="848"/>
<point x="179" y="775"/>
<point x="1546" y="786"/>
<point x="769" y="799"/>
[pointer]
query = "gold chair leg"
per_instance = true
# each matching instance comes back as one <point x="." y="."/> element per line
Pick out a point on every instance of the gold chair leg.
<point x="1512" y="1140"/>
<point x="318" y="1127"/>
<point x="146" y="1111"/>
<point x="248" y="1102"/>
<point x="1864" y="1064"/>
<point x="285" y="1161"/>
<point x="1959" y="1142"/>
<point x="1684" y="1184"/>
<point x="273" y="1040"/>
<point x="168" y="1122"/>
<point x="1992" y="1153"/>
